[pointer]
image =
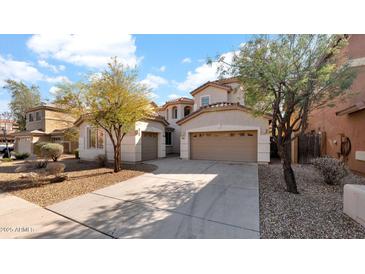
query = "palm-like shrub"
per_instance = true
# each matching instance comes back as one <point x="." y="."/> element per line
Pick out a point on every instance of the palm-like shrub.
<point x="52" y="150"/>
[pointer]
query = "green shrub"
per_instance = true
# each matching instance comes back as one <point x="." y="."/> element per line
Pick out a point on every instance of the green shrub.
<point x="52" y="150"/>
<point x="21" y="156"/>
<point x="77" y="155"/>
<point x="6" y="160"/>
<point x="332" y="170"/>
<point x="37" y="147"/>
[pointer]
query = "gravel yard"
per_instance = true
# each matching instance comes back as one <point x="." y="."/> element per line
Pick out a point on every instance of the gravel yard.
<point x="84" y="177"/>
<point x="315" y="213"/>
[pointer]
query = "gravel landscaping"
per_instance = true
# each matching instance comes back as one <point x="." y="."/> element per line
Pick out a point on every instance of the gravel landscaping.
<point x="314" y="213"/>
<point x="84" y="177"/>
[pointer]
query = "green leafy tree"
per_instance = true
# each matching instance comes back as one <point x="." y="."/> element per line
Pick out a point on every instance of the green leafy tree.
<point x="113" y="100"/>
<point x="288" y="76"/>
<point x="22" y="98"/>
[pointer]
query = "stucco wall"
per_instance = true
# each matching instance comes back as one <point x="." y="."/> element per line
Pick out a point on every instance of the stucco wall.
<point x="131" y="149"/>
<point x="35" y="125"/>
<point x="175" y="148"/>
<point x="351" y="125"/>
<point x="57" y="120"/>
<point x="216" y="95"/>
<point x="231" y="120"/>
<point x="50" y="120"/>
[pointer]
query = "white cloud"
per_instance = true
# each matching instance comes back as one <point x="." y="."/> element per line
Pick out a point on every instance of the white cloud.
<point x="53" y="68"/>
<point x="186" y="60"/>
<point x="162" y="68"/>
<point x="53" y="90"/>
<point x="153" y="96"/>
<point x="24" y="71"/>
<point x="173" y="96"/>
<point x="202" y="74"/>
<point x="18" y="70"/>
<point x="154" y="81"/>
<point x="56" y="79"/>
<point x="88" y="50"/>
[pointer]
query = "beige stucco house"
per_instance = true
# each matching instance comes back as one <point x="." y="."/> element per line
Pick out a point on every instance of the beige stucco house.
<point x="213" y="125"/>
<point x="45" y="123"/>
<point x="145" y="142"/>
<point x="221" y="127"/>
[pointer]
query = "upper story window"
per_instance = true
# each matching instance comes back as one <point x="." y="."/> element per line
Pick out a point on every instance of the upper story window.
<point x="30" y="116"/>
<point x="187" y="110"/>
<point x="204" y="101"/>
<point x="174" y="113"/>
<point x="95" y="137"/>
<point x="38" y="116"/>
<point x="167" y="114"/>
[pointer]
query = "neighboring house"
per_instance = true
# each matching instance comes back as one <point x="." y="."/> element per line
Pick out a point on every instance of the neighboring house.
<point x="173" y="111"/>
<point x="10" y="127"/>
<point x="347" y="118"/>
<point x="145" y="142"/>
<point x="45" y="123"/>
<point x="222" y="128"/>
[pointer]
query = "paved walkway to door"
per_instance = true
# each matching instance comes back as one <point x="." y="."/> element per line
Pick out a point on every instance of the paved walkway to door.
<point x="181" y="199"/>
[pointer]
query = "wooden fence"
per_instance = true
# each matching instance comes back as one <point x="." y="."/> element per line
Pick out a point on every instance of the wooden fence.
<point x="310" y="145"/>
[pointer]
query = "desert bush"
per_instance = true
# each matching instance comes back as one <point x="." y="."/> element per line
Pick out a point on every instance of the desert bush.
<point x="101" y="159"/>
<point x="40" y="164"/>
<point x="332" y="170"/>
<point x="77" y="155"/>
<point x="21" y="156"/>
<point x="52" y="150"/>
<point x="55" y="168"/>
<point x="37" y="147"/>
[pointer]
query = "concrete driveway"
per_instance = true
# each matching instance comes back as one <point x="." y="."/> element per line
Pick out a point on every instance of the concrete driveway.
<point x="181" y="199"/>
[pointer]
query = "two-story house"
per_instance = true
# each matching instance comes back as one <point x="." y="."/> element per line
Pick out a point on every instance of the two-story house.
<point x="46" y="123"/>
<point x="218" y="127"/>
<point x="213" y="125"/>
<point x="222" y="128"/>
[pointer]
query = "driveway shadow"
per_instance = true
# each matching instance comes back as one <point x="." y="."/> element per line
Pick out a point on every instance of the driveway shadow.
<point x="204" y="202"/>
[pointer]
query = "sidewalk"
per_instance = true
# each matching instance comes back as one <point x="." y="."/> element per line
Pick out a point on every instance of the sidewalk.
<point x="22" y="219"/>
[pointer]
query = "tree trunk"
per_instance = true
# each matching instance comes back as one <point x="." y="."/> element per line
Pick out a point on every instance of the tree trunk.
<point x="291" y="185"/>
<point x="117" y="158"/>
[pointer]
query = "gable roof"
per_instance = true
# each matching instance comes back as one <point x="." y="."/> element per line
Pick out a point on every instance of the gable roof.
<point x="213" y="84"/>
<point x="223" y="106"/>
<point x="181" y="100"/>
<point x="46" y="107"/>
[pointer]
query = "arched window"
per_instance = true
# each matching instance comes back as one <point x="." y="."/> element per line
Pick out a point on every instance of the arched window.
<point x="174" y="113"/>
<point x="187" y="110"/>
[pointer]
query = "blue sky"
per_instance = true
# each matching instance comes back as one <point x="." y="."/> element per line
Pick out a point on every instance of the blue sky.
<point x="172" y="65"/>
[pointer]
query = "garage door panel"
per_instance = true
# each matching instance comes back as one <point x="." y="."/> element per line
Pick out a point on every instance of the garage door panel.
<point x="149" y="146"/>
<point x="224" y="146"/>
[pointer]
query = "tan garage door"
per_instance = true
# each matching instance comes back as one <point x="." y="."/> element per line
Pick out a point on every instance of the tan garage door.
<point x="149" y="146"/>
<point x="224" y="146"/>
